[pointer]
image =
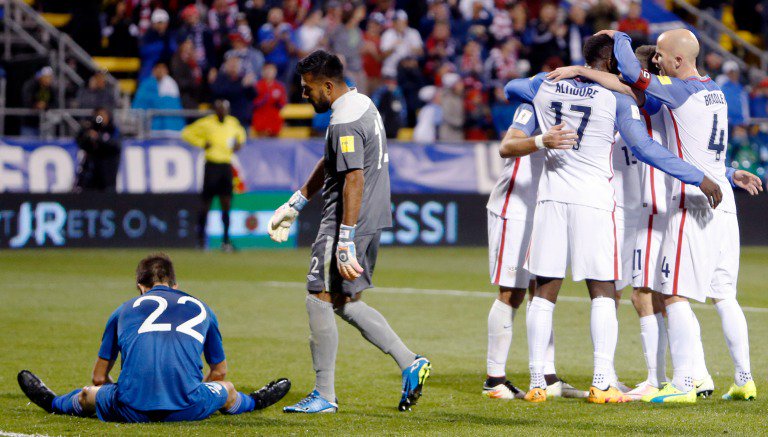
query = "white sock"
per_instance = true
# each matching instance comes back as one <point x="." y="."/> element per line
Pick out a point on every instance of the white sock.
<point x="737" y="337"/>
<point x="539" y="325"/>
<point x="649" y="338"/>
<point x="549" y="357"/>
<point x="699" y="364"/>
<point x="661" y="350"/>
<point x="500" y="320"/>
<point x="681" y="343"/>
<point x="605" y="333"/>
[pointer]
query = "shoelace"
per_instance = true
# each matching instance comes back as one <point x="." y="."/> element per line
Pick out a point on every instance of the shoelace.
<point x="306" y="401"/>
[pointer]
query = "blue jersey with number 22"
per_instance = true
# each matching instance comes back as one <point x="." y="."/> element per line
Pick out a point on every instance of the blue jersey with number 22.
<point x="161" y="336"/>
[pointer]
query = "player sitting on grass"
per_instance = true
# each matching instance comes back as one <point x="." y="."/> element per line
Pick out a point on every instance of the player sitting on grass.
<point x="160" y="335"/>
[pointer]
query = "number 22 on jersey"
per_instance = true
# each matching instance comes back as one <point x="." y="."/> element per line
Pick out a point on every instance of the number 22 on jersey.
<point x="149" y="324"/>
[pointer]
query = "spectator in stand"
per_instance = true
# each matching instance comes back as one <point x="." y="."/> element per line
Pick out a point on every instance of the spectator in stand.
<point x="471" y="60"/>
<point x="332" y="18"/>
<point x="603" y="15"/>
<point x="519" y="20"/>
<point x="271" y="97"/>
<point x="255" y="13"/>
<point x="100" y="140"/>
<point x="187" y="74"/>
<point x="160" y="91"/>
<point x="735" y="95"/>
<point x="545" y="37"/>
<point x="411" y="80"/>
<point x="503" y="63"/>
<point x="398" y="42"/>
<point x="98" y="94"/>
<point x="578" y="32"/>
<point x="232" y="85"/>
<point x="502" y="112"/>
<point x="441" y="47"/>
<point x="478" y="115"/>
<point x="635" y="25"/>
<point x="468" y="8"/>
<point x="347" y="42"/>
<point x="202" y="38"/>
<point x="430" y="116"/>
<point x="121" y="33"/>
<point x="371" y="51"/>
<point x="391" y="104"/>
<point x="295" y="11"/>
<point x="452" y="104"/>
<point x="311" y="36"/>
<point x="758" y="103"/>
<point x="222" y="20"/>
<point x="501" y="24"/>
<point x="251" y="60"/>
<point x="38" y="93"/>
<point x="278" y="43"/>
<point x="157" y="45"/>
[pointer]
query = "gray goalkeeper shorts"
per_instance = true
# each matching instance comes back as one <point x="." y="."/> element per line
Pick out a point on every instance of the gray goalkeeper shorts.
<point x="324" y="274"/>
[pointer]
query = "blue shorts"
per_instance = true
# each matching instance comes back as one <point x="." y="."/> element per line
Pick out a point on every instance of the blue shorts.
<point x="211" y="397"/>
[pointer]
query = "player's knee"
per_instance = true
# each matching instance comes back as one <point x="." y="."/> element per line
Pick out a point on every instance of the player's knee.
<point x="511" y="296"/>
<point x="229" y="387"/>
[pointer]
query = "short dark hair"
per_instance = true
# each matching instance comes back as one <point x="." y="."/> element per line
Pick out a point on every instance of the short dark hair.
<point x="598" y="48"/>
<point x="645" y="55"/>
<point x="322" y="64"/>
<point x="154" y="269"/>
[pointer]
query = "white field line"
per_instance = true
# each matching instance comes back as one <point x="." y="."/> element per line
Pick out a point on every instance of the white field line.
<point x="16" y="434"/>
<point x="478" y="294"/>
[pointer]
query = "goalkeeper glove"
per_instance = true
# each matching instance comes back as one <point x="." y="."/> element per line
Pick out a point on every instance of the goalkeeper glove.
<point x="280" y="224"/>
<point x="346" y="256"/>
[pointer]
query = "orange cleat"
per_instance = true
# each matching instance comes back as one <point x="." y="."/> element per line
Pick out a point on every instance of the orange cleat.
<point x="610" y="396"/>
<point x="536" y="395"/>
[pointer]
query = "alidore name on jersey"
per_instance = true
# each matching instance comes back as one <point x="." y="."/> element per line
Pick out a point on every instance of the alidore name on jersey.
<point x="514" y="196"/>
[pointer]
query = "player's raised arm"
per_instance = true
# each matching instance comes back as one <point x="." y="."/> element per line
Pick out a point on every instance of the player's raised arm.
<point x="519" y="142"/>
<point x="633" y="130"/>
<point x="524" y="90"/>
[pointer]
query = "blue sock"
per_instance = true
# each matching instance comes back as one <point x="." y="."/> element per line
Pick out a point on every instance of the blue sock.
<point x="68" y="403"/>
<point x="243" y="404"/>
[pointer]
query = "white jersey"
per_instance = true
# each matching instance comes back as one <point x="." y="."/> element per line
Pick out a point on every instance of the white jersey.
<point x="698" y="129"/>
<point x="581" y="175"/>
<point x="627" y="177"/>
<point x="656" y="185"/>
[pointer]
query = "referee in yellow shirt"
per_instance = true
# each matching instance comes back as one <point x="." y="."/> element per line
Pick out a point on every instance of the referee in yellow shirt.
<point x="221" y="135"/>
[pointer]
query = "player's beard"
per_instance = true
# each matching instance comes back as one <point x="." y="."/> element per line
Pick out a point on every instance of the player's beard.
<point x="322" y="105"/>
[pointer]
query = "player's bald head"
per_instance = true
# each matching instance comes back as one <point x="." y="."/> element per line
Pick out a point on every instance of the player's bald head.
<point x="681" y="42"/>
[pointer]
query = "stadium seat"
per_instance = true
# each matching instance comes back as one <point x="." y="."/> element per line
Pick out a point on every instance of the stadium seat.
<point x="127" y="86"/>
<point x="297" y="111"/>
<point x="118" y="65"/>
<point x="56" y="20"/>
<point x="295" y="132"/>
<point x="405" y="134"/>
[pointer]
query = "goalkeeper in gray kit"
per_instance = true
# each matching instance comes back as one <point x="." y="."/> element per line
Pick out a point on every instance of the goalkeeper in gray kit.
<point x="353" y="177"/>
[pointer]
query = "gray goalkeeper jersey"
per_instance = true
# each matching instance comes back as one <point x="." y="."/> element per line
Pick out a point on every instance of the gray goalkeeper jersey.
<point x="355" y="139"/>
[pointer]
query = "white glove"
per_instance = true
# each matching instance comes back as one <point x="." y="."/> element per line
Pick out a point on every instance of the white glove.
<point x="346" y="254"/>
<point x="280" y="224"/>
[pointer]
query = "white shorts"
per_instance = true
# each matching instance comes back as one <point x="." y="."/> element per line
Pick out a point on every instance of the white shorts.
<point x="507" y="242"/>
<point x="626" y="227"/>
<point x="582" y="236"/>
<point x="647" y="257"/>
<point x="700" y="254"/>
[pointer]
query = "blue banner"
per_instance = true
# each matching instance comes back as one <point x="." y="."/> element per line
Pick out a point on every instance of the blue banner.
<point x="172" y="166"/>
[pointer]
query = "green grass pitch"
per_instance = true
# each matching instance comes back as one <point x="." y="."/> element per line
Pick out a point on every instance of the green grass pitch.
<point x="54" y="303"/>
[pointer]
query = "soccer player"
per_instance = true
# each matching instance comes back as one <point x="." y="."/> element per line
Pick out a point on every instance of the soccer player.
<point x="510" y="215"/>
<point x="221" y="135"/>
<point x="160" y="335"/>
<point x="575" y="215"/>
<point x="699" y="260"/>
<point x="354" y="178"/>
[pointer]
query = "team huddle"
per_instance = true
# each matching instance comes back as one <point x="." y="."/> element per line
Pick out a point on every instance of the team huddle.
<point x="651" y="207"/>
<point x="599" y="205"/>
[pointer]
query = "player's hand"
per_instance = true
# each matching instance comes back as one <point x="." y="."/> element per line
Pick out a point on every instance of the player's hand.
<point x="346" y="256"/>
<point x="280" y="224"/>
<point x="564" y="73"/>
<point x="712" y="191"/>
<point x="610" y="33"/>
<point x="559" y="138"/>
<point x="749" y="182"/>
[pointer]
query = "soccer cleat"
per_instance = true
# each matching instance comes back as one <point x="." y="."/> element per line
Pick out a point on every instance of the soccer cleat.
<point x="536" y="394"/>
<point x="36" y="390"/>
<point x="624" y="388"/>
<point x="610" y="396"/>
<point x="414" y="377"/>
<point x="643" y="389"/>
<point x="503" y="391"/>
<point x="228" y="248"/>
<point x="565" y="390"/>
<point x="313" y="403"/>
<point x="271" y="393"/>
<point x="747" y="392"/>
<point x="705" y="387"/>
<point x="669" y="393"/>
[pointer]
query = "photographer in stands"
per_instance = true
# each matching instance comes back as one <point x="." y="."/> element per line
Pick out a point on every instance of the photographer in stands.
<point x="99" y="139"/>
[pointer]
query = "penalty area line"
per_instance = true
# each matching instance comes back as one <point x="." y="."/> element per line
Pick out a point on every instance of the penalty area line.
<point x="16" y="434"/>
<point x="480" y="294"/>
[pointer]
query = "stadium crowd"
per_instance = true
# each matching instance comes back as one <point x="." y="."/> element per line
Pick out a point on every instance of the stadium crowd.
<point x="437" y="66"/>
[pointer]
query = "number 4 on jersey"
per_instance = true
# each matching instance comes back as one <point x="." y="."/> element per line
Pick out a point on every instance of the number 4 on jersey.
<point x="718" y="146"/>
